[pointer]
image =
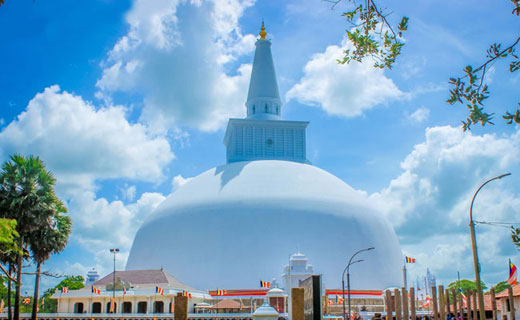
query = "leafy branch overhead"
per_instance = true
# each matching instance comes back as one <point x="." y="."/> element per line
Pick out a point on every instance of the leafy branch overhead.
<point x="372" y="34"/>
<point x="471" y="90"/>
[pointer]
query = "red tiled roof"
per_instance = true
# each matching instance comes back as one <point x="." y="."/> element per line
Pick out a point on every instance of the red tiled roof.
<point x="505" y="294"/>
<point x="144" y="277"/>
<point x="227" y="304"/>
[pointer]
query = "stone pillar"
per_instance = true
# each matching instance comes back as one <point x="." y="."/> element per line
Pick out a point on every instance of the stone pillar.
<point x="412" y="304"/>
<point x="511" y="304"/>
<point x="388" y="304"/>
<point x="297" y="304"/>
<point x="326" y="306"/>
<point x="442" y="303"/>
<point x="475" y="306"/>
<point x="448" y="301"/>
<point x="454" y="298"/>
<point x="435" y="304"/>
<point x="405" y="303"/>
<point x="494" y="303"/>
<point x="181" y="307"/>
<point x="397" y="304"/>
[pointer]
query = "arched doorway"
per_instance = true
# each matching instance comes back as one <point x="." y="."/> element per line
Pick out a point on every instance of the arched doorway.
<point x="127" y="307"/>
<point x="158" y="307"/>
<point x="96" y="307"/>
<point x="78" y="307"/>
<point x="141" y="307"/>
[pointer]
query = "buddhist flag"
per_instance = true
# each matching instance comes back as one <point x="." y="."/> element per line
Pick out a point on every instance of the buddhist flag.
<point x="512" y="273"/>
<point x="159" y="290"/>
<point x="221" y="292"/>
<point x="26" y="301"/>
<point x="339" y="300"/>
<point x="112" y="305"/>
<point x="186" y="294"/>
<point x="462" y="294"/>
<point x="265" y="284"/>
<point x="409" y="260"/>
<point x="329" y="302"/>
<point x="64" y="289"/>
<point x="124" y="290"/>
<point x="95" y="290"/>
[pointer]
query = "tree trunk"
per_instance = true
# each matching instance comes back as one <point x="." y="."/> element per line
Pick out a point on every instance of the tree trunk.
<point x="9" y="311"/>
<point x="36" y="288"/>
<point x="18" y="280"/>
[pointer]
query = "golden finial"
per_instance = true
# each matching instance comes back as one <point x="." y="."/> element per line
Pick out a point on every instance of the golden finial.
<point x="262" y="32"/>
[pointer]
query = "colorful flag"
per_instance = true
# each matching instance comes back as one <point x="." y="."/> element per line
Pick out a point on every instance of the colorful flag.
<point x="112" y="305"/>
<point x="124" y="290"/>
<point x="186" y="294"/>
<point x="221" y="292"/>
<point x="265" y="284"/>
<point x="339" y="299"/>
<point x="2" y="305"/>
<point x="409" y="260"/>
<point x="64" y="289"/>
<point x="512" y="273"/>
<point x="96" y="290"/>
<point x="329" y="302"/>
<point x="26" y="301"/>
<point x="172" y="307"/>
<point x="159" y="290"/>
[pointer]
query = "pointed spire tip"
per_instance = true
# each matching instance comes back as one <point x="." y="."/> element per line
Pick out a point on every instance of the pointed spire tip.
<point x="262" y="31"/>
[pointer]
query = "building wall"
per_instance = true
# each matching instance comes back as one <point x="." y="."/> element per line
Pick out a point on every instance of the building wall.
<point x="66" y="304"/>
<point x="505" y="312"/>
<point x="266" y="140"/>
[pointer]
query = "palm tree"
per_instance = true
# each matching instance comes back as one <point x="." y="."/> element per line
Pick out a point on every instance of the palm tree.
<point x="29" y="198"/>
<point x="43" y="243"/>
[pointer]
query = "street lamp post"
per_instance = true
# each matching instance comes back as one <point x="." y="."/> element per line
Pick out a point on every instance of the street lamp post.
<point x="113" y="303"/>
<point x="347" y="269"/>
<point x="474" y="247"/>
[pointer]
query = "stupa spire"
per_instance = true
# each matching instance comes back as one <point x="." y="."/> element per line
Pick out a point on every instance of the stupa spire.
<point x="262" y="33"/>
<point x="263" y="99"/>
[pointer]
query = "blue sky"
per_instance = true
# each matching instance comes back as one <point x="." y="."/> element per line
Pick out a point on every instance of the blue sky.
<point x="125" y="100"/>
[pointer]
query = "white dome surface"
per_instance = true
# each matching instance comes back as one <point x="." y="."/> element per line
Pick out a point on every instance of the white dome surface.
<point x="238" y="223"/>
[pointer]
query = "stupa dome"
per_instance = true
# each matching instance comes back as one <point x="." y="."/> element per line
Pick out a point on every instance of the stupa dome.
<point x="237" y="223"/>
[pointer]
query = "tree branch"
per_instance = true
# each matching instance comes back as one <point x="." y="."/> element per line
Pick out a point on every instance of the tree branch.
<point x="7" y="273"/>
<point x="383" y="18"/>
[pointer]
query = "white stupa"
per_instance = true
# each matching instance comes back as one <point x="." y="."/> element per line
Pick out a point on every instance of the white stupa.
<point x="238" y="223"/>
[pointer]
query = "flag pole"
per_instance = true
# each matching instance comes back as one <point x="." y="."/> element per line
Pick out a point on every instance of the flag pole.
<point x="404" y="274"/>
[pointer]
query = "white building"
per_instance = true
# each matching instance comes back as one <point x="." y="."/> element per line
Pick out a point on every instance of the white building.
<point x="140" y="296"/>
<point x="235" y="224"/>
<point x="297" y="270"/>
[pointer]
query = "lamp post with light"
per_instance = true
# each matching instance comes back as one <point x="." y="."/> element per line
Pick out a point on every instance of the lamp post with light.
<point x="114" y="251"/>
<point x="474" y="247"/>
<point x="347" y="269"/>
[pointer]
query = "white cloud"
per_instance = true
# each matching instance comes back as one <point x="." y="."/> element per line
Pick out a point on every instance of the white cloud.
<point x="429" y="202"/>
<point x="344" y="90"/>
<point x="129" y="193"/>
<point x="177" y="61"/>
<point x="99" y="224"/>
<point x="419" y="115"/>
<point x="179" y="181"/>
<point x="80" y="144"/>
